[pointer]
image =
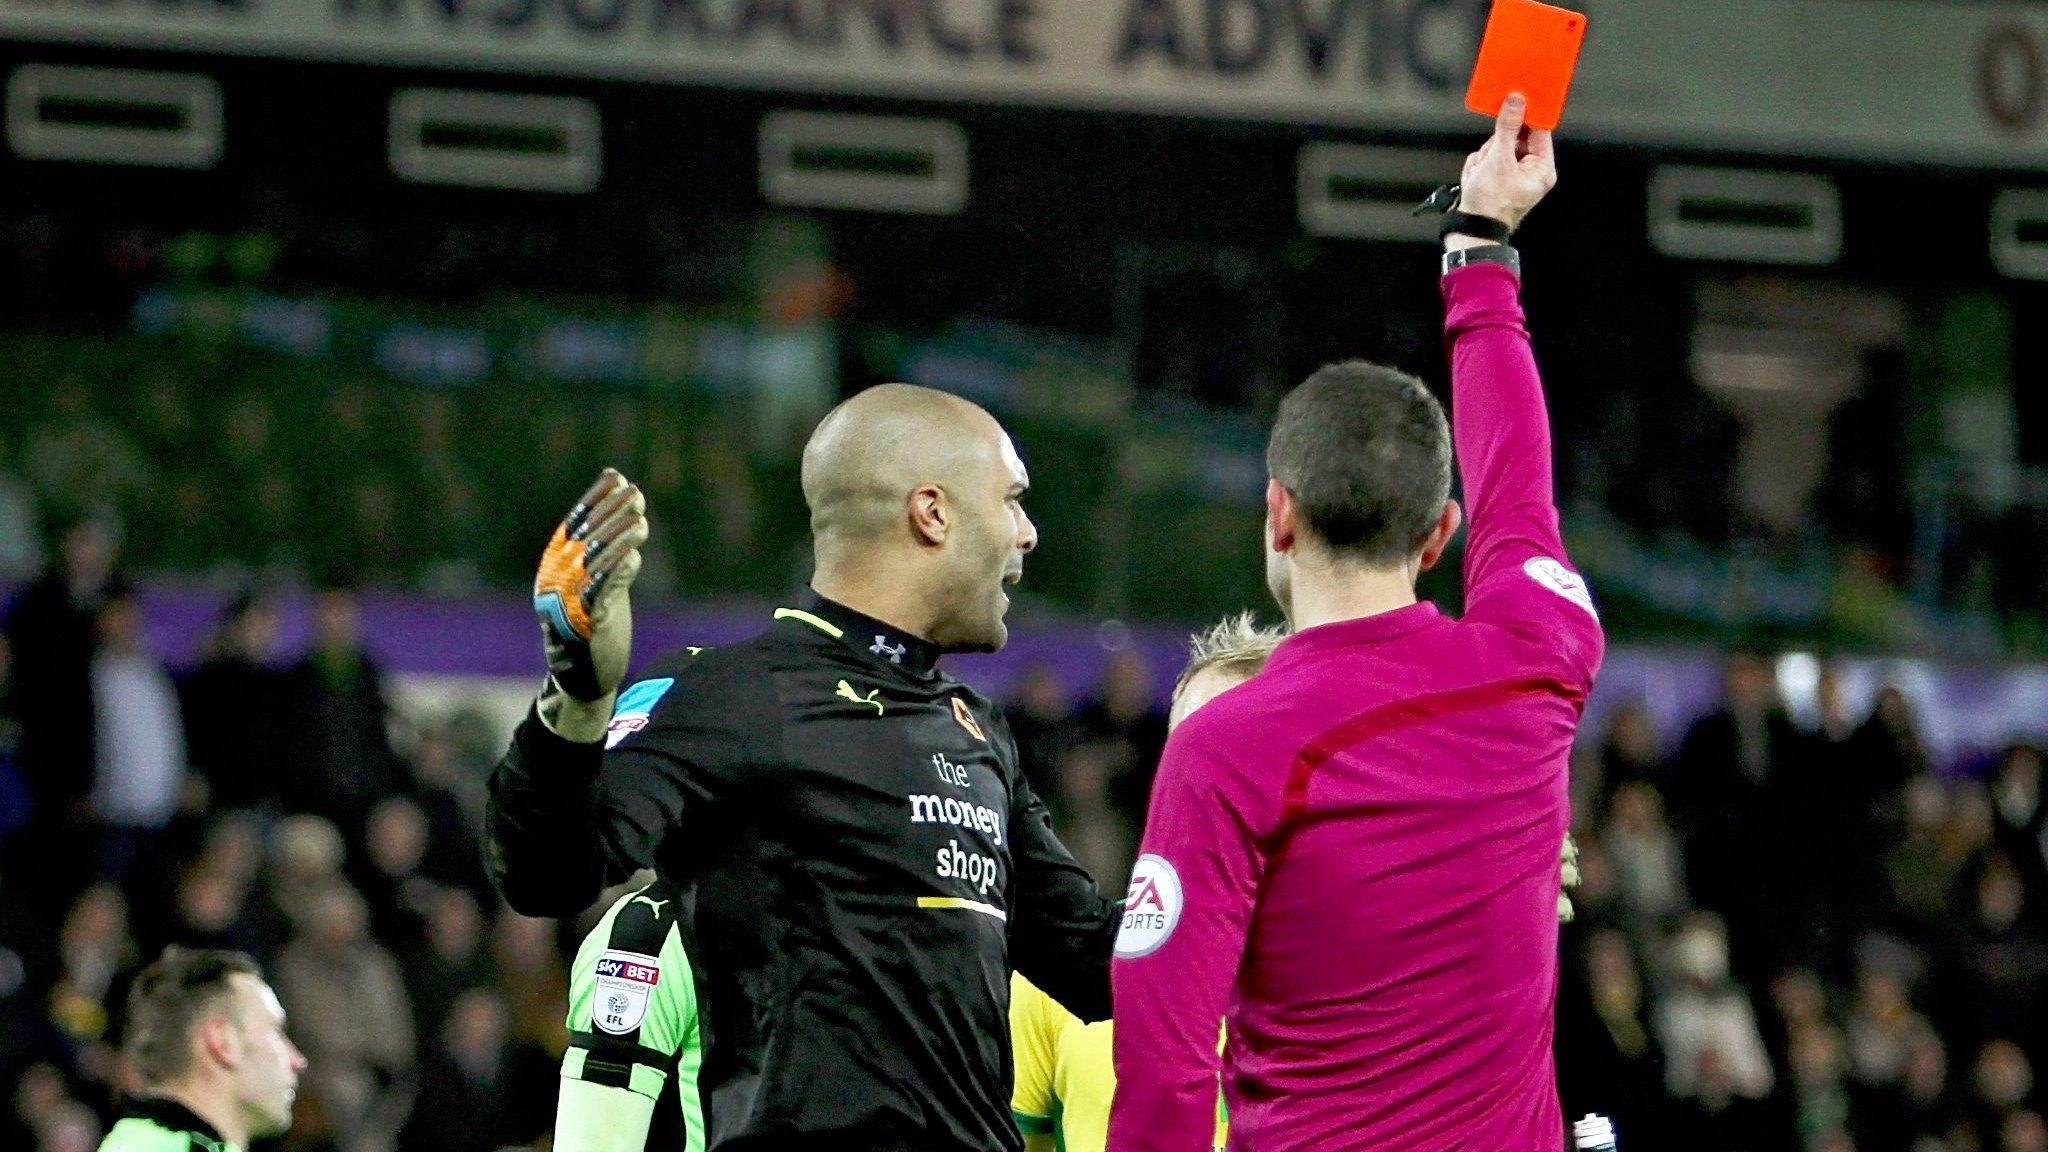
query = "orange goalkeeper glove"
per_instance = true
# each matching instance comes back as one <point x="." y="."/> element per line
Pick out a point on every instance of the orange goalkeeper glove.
<point x="580" y="593"/>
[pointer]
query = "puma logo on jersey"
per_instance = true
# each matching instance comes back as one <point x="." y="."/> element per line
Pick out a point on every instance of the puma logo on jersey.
<point x="650" y="901"/>
<point x="846" y="692"/>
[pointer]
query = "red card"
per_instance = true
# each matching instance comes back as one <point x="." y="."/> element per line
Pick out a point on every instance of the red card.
<point x="1529" y="48"/>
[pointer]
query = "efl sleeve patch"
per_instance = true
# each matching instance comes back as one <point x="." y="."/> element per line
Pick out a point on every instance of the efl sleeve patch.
<point x="625" y="983"/>
<point x="1561" y="580"/>
<point x="1151" y="908"/>
<point x="635" y="705"/>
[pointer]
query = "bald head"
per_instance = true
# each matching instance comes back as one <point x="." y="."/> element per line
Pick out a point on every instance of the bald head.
<point x="870" y="453"/>
<point x="916" y="513"/>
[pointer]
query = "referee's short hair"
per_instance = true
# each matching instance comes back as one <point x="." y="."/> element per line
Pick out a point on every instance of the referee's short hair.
<point x="1233" y="644"/>
<point x="168" y="1000"/>
<point x="1366" y="452"/>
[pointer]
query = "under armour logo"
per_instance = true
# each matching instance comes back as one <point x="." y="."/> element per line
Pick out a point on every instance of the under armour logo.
<point x="650" y="901"/>
<point x="874" y="698"/>
<point x="895" y="652"/>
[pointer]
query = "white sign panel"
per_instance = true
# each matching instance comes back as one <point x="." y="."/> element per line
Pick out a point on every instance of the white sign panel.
<point x="1925" y="80"/>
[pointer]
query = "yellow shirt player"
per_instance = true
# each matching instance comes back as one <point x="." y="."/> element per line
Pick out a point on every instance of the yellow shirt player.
<point x="1065" y="1074"/>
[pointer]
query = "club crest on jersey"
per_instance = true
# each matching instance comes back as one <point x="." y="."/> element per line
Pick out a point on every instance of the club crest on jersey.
<point x="967" y="720"/>
<point x="625" y="982"/>
<point x="1152" y="907"/>
<point x="1561" y="580"/>
<point x="635" y="705"/>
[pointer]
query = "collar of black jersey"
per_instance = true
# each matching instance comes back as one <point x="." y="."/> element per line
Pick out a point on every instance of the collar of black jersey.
<point x="171" y="1114"/>
<point x="884" y="642"/>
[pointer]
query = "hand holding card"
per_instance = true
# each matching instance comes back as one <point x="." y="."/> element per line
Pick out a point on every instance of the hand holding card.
<point x="1531" y="48"/>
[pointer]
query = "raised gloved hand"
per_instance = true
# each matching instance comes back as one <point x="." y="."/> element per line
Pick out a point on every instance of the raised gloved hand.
<point x="586" y="616"/>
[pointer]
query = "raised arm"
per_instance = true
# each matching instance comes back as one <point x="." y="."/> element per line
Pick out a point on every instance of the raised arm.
<point x="1516" y="571"/>
<point x="541" y="826"/>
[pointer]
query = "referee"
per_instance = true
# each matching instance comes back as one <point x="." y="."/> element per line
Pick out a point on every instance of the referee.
<point x="865" y="858"/>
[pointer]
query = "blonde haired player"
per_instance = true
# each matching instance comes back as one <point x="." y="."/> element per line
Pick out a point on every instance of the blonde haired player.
<point x="1066" y="1076"/>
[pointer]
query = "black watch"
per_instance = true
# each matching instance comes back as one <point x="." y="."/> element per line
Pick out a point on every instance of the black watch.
<point x="1474" y="225"/>
<point x="1502" y="254"/>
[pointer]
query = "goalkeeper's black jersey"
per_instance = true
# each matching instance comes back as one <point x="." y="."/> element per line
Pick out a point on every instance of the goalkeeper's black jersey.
<point x="867" y="862"/>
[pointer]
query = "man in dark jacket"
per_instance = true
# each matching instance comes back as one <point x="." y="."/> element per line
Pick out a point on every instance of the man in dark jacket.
<point x="867" y="858"/>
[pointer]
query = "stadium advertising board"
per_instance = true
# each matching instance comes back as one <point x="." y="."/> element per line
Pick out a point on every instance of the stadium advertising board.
<point x="1916" y="80"/>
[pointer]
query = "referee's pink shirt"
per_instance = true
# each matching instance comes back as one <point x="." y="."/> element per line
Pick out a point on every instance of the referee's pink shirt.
<point x="1353" y="858"/>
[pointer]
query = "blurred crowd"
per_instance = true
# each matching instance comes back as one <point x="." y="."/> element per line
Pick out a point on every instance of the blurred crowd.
<point x="1788" y="938"/>
<point x="1806" y="938"/>
<point x="267" y="801"/>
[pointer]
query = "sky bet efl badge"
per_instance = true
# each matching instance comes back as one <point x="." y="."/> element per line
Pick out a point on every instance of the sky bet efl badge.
<point x="1151" y="907"/>
<point x="625" y="981"/>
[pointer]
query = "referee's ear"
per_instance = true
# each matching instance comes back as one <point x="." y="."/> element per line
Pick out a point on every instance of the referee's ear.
<point x="1439" y="537"/>
<point x="1283" y="517"/>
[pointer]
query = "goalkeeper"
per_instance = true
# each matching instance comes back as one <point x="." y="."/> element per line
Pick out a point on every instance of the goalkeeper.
<point x="865" y="861"/>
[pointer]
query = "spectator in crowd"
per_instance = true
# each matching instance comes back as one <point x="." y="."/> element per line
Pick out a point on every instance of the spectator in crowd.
<point x="212" y="913"/>
<point x="2002" y="962"/>
<point x="1799" y="1001"/>
<point x="2016" y="798"/>
<point x="69" y="1127"/>
<point x="1883" y="1024"/>
<point x="138" y="741"/>
<point x="53" y="629"/>
<point x="1126" y="726"/>
<point x="351" y="1018"/>
<point x="1098" y="832"/>
<point x="450" y="958"/>
<point x="1917" y="868"/>
<point x="234" y="706"/>
<point x="1888" y="743"/>
<point x="1041" y="722"/>
<point x="481" y="1091"/>
<point x="1725" y="794"/>
<point x="307" y="855"/>
<point x="453" y="808"/>
<point x="1829" y="792"/>
<point x="1648" y="860"/>
<point x="343" y="762"/>
<point x="1629" y="754"/>
<point x="1819" y="1087"/>
<point x="2004" y="1084"/>
<point x="400" y="895"/>
<point x="2023" y="1131"/>
<point x="1705" y="1022"/>
<point x="95" y="958"/>
<point x="233" y="846"/>
<point x="1923" y="1110"/>
<point x="37" y="1096"/>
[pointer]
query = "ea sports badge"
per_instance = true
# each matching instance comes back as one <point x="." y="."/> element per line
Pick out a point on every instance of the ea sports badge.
<point x="1561" y="580"/>
<point x="1151" y="907"/>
